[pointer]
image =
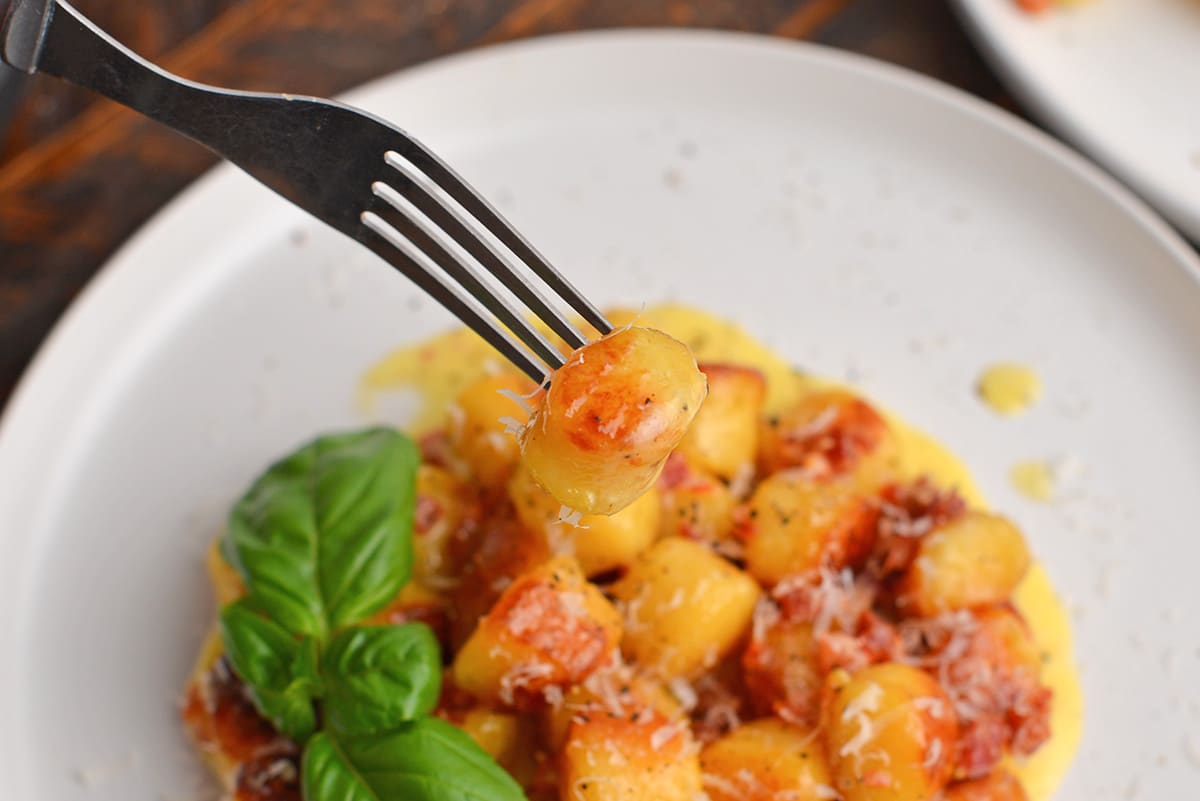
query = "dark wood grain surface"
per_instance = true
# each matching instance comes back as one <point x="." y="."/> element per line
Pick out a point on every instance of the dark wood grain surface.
<point x="79" y="175"/>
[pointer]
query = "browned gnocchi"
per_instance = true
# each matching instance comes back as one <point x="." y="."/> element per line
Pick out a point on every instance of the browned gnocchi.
<point x="660" y="585"/>
<point x="612" y="415"/>
<point x="890" y="731"/>
<point x="765" y="760"/>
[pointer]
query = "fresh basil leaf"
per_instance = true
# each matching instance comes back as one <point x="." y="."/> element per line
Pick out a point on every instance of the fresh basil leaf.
<point x="427" y="760"/>
<point x="324" y="537"/>
<point x="378" y="677"/>
<point x="279" y="670"/>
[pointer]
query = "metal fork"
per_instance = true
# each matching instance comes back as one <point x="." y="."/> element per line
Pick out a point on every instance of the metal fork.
<point x="349" y="169"/>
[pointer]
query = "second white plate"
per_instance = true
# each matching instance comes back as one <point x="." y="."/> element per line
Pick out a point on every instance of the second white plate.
<point x="1119" y="78"/>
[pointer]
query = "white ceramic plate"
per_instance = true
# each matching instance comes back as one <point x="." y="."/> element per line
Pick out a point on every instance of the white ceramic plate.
<point x="869" y="223"/>
<point x="1119" y="78"/>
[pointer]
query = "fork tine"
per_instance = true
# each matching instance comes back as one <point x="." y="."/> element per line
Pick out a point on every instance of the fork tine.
<point x="420" y="190"/>
<point x="458" y="189"/>
<point x="412" y="223"/>
<point x="395" y="249"/>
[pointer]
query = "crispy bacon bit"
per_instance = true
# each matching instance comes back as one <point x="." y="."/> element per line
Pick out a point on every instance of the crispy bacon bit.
<point x="1035" y="6"/>
<point x="980" y="747"/>
<point x="874" y="640"/>
<point x="556" y="624"/>
<point x="497" y="552"/>
<point x="828" y="599"/>
<point x="877" y="778"/>
<point x="907" y="512"/>
<point x="675" y="473"/>
<point x="1030" y="721"/>
<point x="818" y="622"/>
<point x="718" y="708"/>
<point x="779" y="666"/>
<point x="436" y="450"/>
<point x="221" y="716"/>
<point x="426" y="515"/>
<point x="566" y="643"/>
<point x="432" y="615"/>
<point x="997" y="694"/>
<point x="270" y="777"/>
<point x="453" y="702"/>
<point x="999" y="786"/>
<point x="827" y="436"/>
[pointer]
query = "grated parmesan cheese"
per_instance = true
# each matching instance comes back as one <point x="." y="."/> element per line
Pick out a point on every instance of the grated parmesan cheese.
<point x="570" y="517"/>
<point x="520" y="676"/>
<point x="664" y="734"/>
<point x="725" y="786"/>
<point x="866" y="701"/>
<point x="512" y="426"/>
<point x="495" y="440"/>
<point x="684" y="693"/>
<point x="854" y="746"/>
<point x="933" y="754"/>
<point x="518" y="398"/>
<point x="930" y="706"/>
<point x="742" y="481"/>
<point x="1191" y="749"/>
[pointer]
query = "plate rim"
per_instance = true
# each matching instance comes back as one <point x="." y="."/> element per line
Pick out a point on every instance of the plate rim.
<point x="50" y="376"/>
<point x="94" y="292"/>
<point x="1020" y="79"/>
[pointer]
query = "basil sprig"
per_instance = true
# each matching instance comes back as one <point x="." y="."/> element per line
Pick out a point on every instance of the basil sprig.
<point x="324" y="537"/>
<point x="323" y="540"/>
<point x="280" y="670"/>
<point x="380" y="675"/>
<point x="425" y="759"/>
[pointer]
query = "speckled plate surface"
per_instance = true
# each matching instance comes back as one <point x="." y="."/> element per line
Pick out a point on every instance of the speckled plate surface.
<point x="870" y="224"/>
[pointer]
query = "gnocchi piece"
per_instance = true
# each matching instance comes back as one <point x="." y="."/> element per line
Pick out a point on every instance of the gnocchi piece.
<point x="829" y="434"/>
<point x="507" y="738"/>
<point x="999" y="786"/>
<point x="640" y="757"/>
<point x="598" y="542"/>
<point x="483" y="422"/>
<point x="766" y="760"/>
<point x="684" y="607"/>
<point x="974" y="560"/>
<point x="444" y="506"/>
<point x="612" y="415"/>
<point x="614" y="691"/>
<point x="890" y="733"/>
<point x="227" y="584"/>
<point x="696" y="506"/>
<point x="723" y="438"/>
<point x="550" y="628"/>
<point x="794" y="524"/>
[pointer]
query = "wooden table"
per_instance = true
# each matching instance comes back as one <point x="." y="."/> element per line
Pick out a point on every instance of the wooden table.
<point x="78" y="176"/>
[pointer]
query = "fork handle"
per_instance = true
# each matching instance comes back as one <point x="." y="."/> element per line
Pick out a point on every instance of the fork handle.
<point x="270" y="136"/>
<point x="51" y="36"/>
<point x="23" y="31"/>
